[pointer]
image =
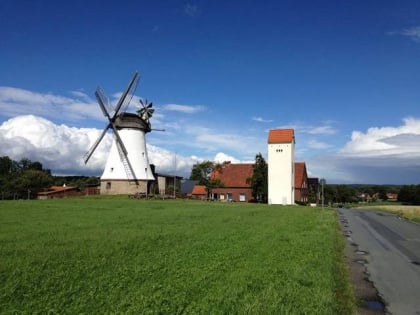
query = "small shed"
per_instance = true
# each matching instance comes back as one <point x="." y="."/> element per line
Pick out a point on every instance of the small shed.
<point x="59" y="192"/>
<point x="199" y="192"/>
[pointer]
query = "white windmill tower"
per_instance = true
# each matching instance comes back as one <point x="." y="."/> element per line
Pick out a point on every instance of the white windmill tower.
<point x="127" y="170"/>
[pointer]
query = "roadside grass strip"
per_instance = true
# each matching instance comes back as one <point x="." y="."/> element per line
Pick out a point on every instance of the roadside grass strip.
<point x="409" y="212"/>
<point x="117" y="255"/>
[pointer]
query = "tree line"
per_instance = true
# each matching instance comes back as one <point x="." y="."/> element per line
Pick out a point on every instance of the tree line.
<point x="24" y="179"/>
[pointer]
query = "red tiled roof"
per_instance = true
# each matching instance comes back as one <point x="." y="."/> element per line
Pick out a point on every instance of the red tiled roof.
<point x="233" y="175"/>
<point x="199" y="190"/>
<point x="281" y="136"/>
<point x="300" y="172"/>
<point x="57" y="189"/>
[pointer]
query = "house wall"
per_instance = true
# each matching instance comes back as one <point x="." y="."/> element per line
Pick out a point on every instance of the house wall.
<point x="60" y="194"/>
<point x="95" y="190"/>
<point x="235" y="193"/>
<point x="281" y="173"/>
<point x="162" y="185"/>
<point x="301" y="193"/>
<point x="118" y="187"/>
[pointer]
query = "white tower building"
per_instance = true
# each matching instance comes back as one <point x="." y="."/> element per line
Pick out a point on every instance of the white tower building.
<point x="128" y="173"/>
<point x="281" y="163"/>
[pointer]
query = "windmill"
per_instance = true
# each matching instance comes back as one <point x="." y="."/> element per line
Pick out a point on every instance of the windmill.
<point x="127" y="169"/>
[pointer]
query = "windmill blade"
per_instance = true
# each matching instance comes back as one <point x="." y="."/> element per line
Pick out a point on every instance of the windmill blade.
<point x="95" y="145"/>
<point x="102" y="105"/>
<point x="119" y="141"/>
<point x="127" y="95"/>
<point x="104" y="100"/>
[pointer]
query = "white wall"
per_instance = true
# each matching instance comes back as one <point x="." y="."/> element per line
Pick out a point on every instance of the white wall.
<point x="135" y="144"/>
<point x="281" y="173"/>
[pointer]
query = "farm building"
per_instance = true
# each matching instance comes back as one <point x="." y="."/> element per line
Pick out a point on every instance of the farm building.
<point x="234" y="178"/>
<point x="313" y="185"/>
<point x="165" y="184"/>
<point x="59" y="192"/>
<point x="301" y="182"/>
<point x="199" y="192"/>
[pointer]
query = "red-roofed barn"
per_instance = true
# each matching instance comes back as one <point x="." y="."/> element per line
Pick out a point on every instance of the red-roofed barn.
<point x="234" y="178"/>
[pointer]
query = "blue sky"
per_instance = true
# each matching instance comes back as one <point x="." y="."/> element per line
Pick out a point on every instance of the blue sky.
<point x="345" y="76"/>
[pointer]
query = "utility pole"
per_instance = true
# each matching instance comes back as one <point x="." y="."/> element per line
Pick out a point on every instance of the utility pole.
<point x="175" y="176"/>
<point x="322" y="181"/>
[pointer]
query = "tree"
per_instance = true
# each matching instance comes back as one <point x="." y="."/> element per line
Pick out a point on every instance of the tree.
<point x="259" y="179"/>
<point x="409" y="194"/>
<point x="7" y="166"/>
<point x="22" y="179"/>
<point x="202" y="171"/>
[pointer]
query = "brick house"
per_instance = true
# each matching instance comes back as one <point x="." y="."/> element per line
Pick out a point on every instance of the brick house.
<point x="301" y="182"/>
<point x="234" y="178"/>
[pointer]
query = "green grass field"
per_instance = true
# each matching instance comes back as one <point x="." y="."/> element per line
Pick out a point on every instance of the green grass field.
<point x="118" y="255"/>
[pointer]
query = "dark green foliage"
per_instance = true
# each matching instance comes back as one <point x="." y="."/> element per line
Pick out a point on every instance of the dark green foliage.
<point x="202" y="171"/>
<point x="22" y="179"/>
<point x="259" y="179"/>
<point x="410" y="194"/>
<point x="312" y="194"/>
<point x="78" y="181"/>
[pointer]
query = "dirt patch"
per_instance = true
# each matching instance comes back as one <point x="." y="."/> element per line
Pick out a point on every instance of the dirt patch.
<point x="368" y="300"/>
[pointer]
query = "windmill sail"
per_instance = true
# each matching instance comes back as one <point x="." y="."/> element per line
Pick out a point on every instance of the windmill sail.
<point x="128" y="160"/>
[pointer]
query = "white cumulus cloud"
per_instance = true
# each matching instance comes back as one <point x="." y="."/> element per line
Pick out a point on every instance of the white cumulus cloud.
<point x="61" y="148"/>
<point x="380" y="155"/>
<point x="187" y="109"/>
<point x="15" y="101"/>
<point x="382" y="141"/>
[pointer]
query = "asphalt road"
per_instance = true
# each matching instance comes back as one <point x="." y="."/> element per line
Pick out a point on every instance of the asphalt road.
<point x="392" y="247"/>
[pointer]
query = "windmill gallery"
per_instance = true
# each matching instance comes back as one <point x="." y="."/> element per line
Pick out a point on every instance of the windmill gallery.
<point x="128" y="171"/>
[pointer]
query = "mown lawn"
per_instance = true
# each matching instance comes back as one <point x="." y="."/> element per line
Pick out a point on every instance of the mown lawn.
<point x="117" y="255"/>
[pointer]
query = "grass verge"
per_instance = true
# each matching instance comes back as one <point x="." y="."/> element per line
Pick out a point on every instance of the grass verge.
<point x="116" y="255"/>
<point x="406" y="211"/>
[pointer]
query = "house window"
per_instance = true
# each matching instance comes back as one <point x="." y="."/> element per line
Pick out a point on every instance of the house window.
<point x="229" y="197"/>
<point x="108" y="185"/>
<point x="242" y="197"/>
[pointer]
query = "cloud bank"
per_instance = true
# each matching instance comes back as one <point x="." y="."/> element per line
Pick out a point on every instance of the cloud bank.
<point x="52" y="135"/>
<point x="381" y="155"/>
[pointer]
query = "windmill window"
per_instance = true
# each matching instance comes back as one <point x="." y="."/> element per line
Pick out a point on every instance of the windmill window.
<point x="108" y="185"/>
<point x="112" y="169"/>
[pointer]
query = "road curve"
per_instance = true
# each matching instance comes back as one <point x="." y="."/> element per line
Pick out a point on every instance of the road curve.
<point x="392" y="247"/>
